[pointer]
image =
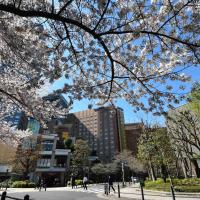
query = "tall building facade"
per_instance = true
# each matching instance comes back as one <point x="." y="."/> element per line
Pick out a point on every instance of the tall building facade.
<point x="18" y="120"/>
<point x="103" y="128"/>
<point x="33" y="125"/>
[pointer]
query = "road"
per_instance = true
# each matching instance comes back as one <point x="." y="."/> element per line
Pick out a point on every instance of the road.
<point x="59" y="193"/>
<point x="96" y="192"/>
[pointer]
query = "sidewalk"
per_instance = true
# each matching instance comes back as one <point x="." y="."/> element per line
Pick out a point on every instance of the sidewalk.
<point x="134" y="193"/>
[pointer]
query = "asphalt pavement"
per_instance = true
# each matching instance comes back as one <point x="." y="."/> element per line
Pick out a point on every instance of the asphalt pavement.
<point x="96" y="192"/>
<point x="57" y="195"/>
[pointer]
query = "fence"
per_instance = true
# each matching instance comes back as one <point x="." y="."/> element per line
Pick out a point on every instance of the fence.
<point x="106" y="190"/>
<point x="4" y="197"/>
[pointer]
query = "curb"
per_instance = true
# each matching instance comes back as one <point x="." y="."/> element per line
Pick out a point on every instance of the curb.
<point x="176" y="193"/>
<point x="113" y="197"/>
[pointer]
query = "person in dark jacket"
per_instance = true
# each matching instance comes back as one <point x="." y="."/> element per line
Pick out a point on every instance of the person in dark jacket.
<point x="110" y="184"/>
<point x="38" y="184"/>
<point x="73" y="182"/>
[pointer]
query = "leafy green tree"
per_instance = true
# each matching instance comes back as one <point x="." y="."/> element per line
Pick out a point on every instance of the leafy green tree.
<point x="69" y="144"/>
<point x="194" y="104"/>
<point x="155" y="150"/>
<point x="99" y="169"/>
<point x="80" y="156"/>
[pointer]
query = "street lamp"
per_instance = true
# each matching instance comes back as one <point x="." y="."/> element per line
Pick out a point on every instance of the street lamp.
<point x="123" y="174"/>
<point x="7" y="178"/>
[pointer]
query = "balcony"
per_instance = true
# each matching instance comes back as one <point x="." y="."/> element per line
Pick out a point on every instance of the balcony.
<point x="51" y="169"/>
<point x="62" y="152"/>
<point x="49" y="137"/>
<point x="45" y="152"/>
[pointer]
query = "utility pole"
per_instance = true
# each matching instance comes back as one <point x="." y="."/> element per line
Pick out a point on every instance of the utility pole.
<point x="7" y="179"/>
<point x="123" y="174"/>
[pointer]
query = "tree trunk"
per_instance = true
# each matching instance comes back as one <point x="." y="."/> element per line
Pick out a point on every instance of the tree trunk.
<point x="153" y="176"/>
<point x="196" y="167"/>
<point x="184" y="168"/>
<point x="164" y="173"/>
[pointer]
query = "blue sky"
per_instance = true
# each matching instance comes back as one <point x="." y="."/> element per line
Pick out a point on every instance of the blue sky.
<point x="129" y="115"/>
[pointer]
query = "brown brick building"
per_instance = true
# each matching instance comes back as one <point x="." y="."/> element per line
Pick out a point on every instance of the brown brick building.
<point x="103" y="128"/>
<point x="132" y="133"/>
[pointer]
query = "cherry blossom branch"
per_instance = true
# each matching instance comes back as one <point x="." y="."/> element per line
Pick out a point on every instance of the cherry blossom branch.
<point x="138" y="79"/>
<point x="175" y="14"/>
<point x="151" y="33"/>
<point x="64" y="7"/>
<point x="73" y="49"/>
<point x="104" y="12"/>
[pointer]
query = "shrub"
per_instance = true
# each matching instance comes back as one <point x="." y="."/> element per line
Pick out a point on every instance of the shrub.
<point x="91" y="181"/>
<point x="6" y="183"/>
<point x="79" y="182"/>
<point x="23" y="184"/>
<point x="194" y="188"/>
<point x="180" y="185"/>
<point x="16" y="178"/>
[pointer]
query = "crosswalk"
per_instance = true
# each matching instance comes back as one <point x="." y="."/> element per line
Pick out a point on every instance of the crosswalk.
<point x="96" y="188"/>
<point x="90" y="189"/>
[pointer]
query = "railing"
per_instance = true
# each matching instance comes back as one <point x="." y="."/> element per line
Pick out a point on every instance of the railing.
<point x="4" y="197"/>
<point x="141" y="186"/>
<point x="106" y="189"/>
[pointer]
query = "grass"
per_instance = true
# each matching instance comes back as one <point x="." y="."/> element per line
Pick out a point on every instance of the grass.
<point x="180" y="185"/>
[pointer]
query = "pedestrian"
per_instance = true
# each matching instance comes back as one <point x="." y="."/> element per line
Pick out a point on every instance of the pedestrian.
<point x="38" y="184"/>
<point x="43" y="184"/>
<point x="110" y="184"/>
<point x="132" y="180"/>
<point x="85" y="180"/>
<point x="73" y="182"/>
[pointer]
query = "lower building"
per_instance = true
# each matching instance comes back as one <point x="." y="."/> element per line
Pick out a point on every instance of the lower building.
<point x="132" y="133"/>
<point x="7" y="154"/>
<point x="53" y="162"/>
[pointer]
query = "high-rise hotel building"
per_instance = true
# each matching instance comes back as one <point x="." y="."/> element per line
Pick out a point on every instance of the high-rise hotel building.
<point x="103" y="128"/>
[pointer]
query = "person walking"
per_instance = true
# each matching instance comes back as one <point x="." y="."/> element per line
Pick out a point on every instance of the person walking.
<point x="43" y="184"/>
<point x="132" y="180"/>
<point x="73" y="182"/>
<point x="85" y="180"/>
<point x="38" y="184"/>
<point x="110" y="184"/>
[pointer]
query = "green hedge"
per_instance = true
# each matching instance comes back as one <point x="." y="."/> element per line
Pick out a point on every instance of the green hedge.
<point x="6" y="183"/>
<point x="78" y="182"/>
<point x="23" y="184"/>
<point x="180" y="185"/>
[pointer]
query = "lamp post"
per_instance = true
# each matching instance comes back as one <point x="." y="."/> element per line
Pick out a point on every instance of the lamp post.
<point x="7" y="178"/>
<point x="123" y="174"/>
<point x="171" y="184"/>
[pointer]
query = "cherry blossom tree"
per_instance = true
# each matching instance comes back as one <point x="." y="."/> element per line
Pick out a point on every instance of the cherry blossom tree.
<point x="105" y="49"/>
<point x="10" y="135"/>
